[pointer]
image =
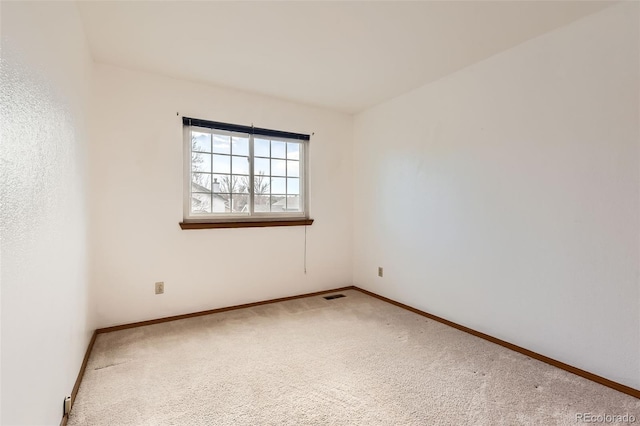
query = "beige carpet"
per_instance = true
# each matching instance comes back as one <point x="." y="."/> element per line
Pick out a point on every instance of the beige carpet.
<point x="349" y="361"/>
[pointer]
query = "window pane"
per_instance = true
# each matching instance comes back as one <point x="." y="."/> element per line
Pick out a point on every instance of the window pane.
<point x="293" y="168"/>
<point x="232" y="184"/>
<point x="293" y="203"/>
<point x="240" y="165"/>
<point x="293" y="186"/>
<point x="261" y="203"/>
<point x="278" y="203"/>
<point x="200" y="162"/>
<point x="221" y="164"/>
<point x="239" y="203"/>
<point x="216" y="185"/>
<point x="278" y="168"/>
<point x="240" y="146"/>
<point x="221" y="144"/>
<point x="278" y="185"/>
<point x="278" y="149"/>
<point x="200" y="203"/>
<point x="200" y="142"/>
<point x="293" y="151"/>
<point x="261" y="166"/>
<point x="200" y="182"/>
<point x="221" y="203"/>
<point x="240" y="184"/>
<point x="261" y="147"/>
<point x="261" y="184"/>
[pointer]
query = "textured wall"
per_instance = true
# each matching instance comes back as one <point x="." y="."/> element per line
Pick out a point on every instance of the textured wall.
<point x="136" y="203"/>
<point x="44" y="98"/>
<point x="505" y="196"/>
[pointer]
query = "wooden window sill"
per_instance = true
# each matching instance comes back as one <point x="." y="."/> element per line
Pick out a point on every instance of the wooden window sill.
<point x="245" y="224"/>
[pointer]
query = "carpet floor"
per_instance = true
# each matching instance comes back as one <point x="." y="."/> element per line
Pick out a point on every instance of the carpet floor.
<point x="348" y="361"/>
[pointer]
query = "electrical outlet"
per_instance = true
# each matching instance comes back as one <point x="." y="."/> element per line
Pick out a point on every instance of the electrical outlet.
<point x="160" y="287"/>
<point x="380" y="271"/>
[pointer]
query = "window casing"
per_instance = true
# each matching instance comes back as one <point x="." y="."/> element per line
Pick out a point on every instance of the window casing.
<point x="235" y="173"/>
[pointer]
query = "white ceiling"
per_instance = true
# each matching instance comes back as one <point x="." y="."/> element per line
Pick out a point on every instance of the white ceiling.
<point x="340" y="55"/>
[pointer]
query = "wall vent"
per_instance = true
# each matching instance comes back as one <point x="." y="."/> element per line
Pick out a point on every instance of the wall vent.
<point x="334" y="296"/>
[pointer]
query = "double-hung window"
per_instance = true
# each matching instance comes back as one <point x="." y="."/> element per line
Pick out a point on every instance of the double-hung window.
<point x="239" y="173"/>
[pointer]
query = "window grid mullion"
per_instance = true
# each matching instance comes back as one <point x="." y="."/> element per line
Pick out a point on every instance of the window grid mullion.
<point x="270" y="175"/>
<point x="231" y="186"/>
<point x="211" y="172"/>
<point x="251" y="176"/>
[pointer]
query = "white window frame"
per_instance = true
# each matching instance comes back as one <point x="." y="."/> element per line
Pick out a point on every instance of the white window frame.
<point x="251" y="215"/>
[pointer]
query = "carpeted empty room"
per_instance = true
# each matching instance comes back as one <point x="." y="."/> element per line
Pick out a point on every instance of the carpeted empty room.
<point x="354" y="360"/>
<point x="185" y="184"/>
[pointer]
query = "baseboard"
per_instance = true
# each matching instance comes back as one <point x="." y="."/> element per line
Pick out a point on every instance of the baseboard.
<point x="215" y="311"/>
<point x="571" y="369"/>
<point x="76" y="386"/>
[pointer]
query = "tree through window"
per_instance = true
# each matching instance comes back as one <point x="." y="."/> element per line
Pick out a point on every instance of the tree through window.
<point x="239" y="172"/>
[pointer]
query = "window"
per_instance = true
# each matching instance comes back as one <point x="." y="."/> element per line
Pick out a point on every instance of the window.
<point x="243" y="174"/>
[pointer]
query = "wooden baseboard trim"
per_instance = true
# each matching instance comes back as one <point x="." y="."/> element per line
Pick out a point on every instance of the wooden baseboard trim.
<point x="76" y="386"/>
<point x="215" y="311"/>
<point x="571" y="369"/>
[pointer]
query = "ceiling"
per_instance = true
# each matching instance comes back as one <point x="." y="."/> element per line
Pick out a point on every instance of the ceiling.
<point x="345" y="56"/>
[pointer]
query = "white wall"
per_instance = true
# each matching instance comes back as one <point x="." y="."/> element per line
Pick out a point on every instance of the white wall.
<point x="44" y="99"/>
<point x="505" y="197"/>
<point x="136" y="203"/>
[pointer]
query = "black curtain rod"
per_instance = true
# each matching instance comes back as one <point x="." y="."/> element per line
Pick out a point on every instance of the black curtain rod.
<point x="187" y="121"/>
